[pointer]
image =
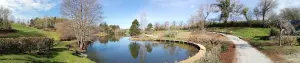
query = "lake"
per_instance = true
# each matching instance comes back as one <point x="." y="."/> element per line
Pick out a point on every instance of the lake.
<point x="123" y="50"/>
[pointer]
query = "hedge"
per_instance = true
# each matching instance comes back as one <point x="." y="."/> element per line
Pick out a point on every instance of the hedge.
<point x="25" y="44"/>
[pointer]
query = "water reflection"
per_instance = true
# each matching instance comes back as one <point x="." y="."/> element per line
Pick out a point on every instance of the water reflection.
<point x="126" y="51"/>
<point x="106" y="39"/>
<point x="134" y="49"/>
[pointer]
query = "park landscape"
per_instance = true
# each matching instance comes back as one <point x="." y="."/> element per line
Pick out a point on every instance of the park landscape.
<point x="225" y="31"/>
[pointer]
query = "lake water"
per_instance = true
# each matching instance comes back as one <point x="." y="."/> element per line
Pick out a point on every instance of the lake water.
<point x="123" y="50"/>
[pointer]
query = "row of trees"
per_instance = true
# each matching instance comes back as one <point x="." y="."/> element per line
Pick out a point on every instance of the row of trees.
<point x="45" y="22"/>
<point x="111" y="29"/>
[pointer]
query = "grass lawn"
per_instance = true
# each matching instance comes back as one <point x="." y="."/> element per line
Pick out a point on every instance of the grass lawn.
<point x="25" y="31"/>
<point x="245" y="32"/>
<point x="59" y="54"/>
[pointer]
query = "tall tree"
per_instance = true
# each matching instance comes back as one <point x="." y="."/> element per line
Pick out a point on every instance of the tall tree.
<point x="134" y="29"/>
<point x="290" y="13"/>
<point x="149" y="27"/>
<point x="256" y="13"/>
<point x="245" y="13"/>
<point x="228" y="8"/>
<point x="266" y="6"/>
<point x="5" y="13"/>
<point x="83" y="13"/>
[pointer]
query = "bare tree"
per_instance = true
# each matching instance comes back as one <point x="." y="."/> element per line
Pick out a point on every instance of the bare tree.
<point x="83" y="13"/>
<point x="143" y="21"/>
<point x="266" y="6"/>
<point x="173" y="26"/>
<point x="204" y="11"/>
<point x="166" y="25"/>
<point x="156" y="26"/>
<point x="4" y="18"/>
<point x="256" y="13"/>
<point x="290" y="13"/>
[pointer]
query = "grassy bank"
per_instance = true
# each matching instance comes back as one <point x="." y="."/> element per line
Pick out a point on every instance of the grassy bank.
<point x="59" y="54"/>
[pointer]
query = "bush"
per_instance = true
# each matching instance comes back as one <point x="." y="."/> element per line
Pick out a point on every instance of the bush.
<point x="25" y="44"/>
<point x="170" y="34"/>
<point x="274" y="31"/>
<point x="289" y="40"/>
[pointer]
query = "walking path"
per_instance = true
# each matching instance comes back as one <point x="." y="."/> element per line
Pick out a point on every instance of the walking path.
<point x="245" y="53"/>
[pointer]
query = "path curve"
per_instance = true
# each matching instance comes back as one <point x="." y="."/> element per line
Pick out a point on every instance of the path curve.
<point x="245" y="53"/>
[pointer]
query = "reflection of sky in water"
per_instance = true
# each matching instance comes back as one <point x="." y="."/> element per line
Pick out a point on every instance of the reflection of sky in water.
<point x="126" y="51"/>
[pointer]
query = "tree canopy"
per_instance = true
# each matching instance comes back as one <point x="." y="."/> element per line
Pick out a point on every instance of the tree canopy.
<point x="134" y="29"/>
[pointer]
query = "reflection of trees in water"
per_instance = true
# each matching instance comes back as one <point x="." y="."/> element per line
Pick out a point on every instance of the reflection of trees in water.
<point x="171" y="48"/>
<point x="148" y="47"/>
<point x="106" y="39"/>
<point x="142" y="53"/>
<point x="141" y="50"/>
<point x="190" y="49"/>
<point x="134" y="49"/>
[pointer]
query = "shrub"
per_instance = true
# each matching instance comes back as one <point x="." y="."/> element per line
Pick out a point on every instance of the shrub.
<point x="289" y="40"/>
<point x="274" y="31"/>
<point x="170" y="34"/>
<point x="25" y="44"/>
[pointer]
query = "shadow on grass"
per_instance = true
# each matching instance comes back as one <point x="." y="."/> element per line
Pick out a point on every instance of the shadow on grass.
<point x="54" y="52"/>
<point x="33" y="60"/>
<point x="36" y="57"/>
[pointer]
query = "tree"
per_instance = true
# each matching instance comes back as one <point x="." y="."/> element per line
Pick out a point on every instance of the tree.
<point x="245" y="13"/>
<point x="134" y="29"/>
<point x="205" y="11"/>
<point x="149" y="28"/>
<point x="166" y="25"/>
<point x="143" y="21"/>
<point x="4" y="16"/>
<point x="228" y="8"/>
<point x="157" y="26"/>
<point x="256" y="13"/>
<point x="83" y="13"/>
<point x="266" y="6"/>
<point x="290" y="13"/>
<point x="173" y="26"/>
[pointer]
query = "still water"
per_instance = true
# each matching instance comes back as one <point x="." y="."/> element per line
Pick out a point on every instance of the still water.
<point x="123" y="50"/>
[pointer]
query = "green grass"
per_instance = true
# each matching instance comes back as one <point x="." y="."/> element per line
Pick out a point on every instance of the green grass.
<point x="25" y="31"/>
<point x="246" y="32"/>
<point x="59" y="54"/>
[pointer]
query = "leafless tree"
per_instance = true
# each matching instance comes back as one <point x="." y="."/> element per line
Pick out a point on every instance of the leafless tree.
<point x="205" y="10"/>
<point x="173" y="26"/>
<point x="4" y="16"/>
<point x="166" y="25"/>
<point x="290" y="13"/>
<point x="156" y="26"/>
<point x="180" y="25"/>
<point x="143" y="21"/>
<point x="266" y="6"/>
<point x="256" y="13"/>
<point x="84" y="13"/>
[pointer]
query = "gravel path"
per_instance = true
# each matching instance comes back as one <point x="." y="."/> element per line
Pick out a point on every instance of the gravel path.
<point x="245" y="53"/>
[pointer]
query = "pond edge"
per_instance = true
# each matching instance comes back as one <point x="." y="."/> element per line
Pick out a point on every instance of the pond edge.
<point x="197" y="56"/>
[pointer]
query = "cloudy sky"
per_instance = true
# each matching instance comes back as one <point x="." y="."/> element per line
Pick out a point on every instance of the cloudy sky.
<point x="122" y="12"/>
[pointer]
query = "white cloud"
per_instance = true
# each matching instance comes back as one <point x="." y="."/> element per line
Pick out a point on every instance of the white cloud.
<point x="287" y="4"/>
<point x="21" y="8"/>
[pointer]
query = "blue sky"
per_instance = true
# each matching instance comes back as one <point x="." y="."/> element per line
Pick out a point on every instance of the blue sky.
<point x="123" y="12"/>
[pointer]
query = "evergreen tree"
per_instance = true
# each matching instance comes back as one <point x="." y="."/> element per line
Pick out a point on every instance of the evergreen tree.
<point x="134" y="29"/>
<point x="149" y="28"/>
